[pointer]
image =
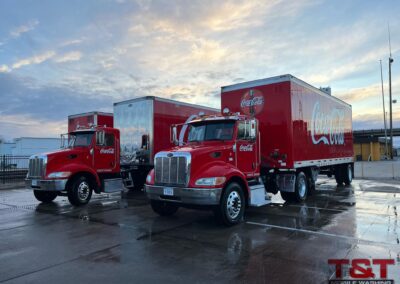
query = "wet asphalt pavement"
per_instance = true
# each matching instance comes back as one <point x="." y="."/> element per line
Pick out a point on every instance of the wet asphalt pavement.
<point x="119" y="239"/>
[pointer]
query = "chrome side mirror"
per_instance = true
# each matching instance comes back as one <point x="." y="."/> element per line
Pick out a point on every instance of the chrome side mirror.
<point x="174" y="135"/>
<point x="100" y="138"/>
<point x="253" y="129"/>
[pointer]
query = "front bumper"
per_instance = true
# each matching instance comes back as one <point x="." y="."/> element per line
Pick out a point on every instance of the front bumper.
<point x="46" y="185"/>
<point x="197" y="196"/>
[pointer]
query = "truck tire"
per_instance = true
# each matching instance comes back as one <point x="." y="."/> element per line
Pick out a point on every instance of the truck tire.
<point x="347" y="174"/>
<point x="339" y="175"/>
<point x="230" y="211"/>
<point x="79" y="192"/>
<point x="45" y="196"/>
<point x="164" y="208"/>
<point x="301" y="187"/>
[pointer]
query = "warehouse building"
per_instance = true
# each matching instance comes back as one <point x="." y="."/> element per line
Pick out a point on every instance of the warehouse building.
<point x="370" y="149"/>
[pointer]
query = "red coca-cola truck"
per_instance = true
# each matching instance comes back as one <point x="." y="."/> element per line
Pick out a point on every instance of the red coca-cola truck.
<point x="274" y="135"/>
<point x="98" y="155"/>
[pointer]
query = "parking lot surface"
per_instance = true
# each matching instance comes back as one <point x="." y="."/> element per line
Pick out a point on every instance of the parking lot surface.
<point x="117" y="238"/>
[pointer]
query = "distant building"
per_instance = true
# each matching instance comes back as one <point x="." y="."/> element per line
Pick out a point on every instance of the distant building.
<point x="15" y="154"/>
<point x="27" y="146"/>
<point x="370" y="149"/>
<point x="6" y="148"/>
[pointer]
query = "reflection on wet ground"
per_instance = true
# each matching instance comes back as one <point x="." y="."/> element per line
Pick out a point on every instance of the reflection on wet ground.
<point x="117" y="238"/>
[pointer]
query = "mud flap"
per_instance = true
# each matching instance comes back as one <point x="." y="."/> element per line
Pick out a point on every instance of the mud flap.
<point x="286" y="182"/>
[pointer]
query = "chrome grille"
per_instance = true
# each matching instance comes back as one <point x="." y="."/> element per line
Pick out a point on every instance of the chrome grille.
<point x="172" y="170"/>
<point x="36" y="167"/>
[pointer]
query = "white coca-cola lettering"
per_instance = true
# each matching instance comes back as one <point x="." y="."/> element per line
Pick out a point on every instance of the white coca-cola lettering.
<point x="327" y="128"/>
<point x="252" y="102"/>
<point x="107" y="151"/>
<point x="246" y="148"/>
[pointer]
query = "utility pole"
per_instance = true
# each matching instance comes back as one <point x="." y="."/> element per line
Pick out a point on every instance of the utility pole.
<point x="390" y="97"/>
<point x="384" y="114"/>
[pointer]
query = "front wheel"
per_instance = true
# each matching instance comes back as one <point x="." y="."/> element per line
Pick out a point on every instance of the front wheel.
<point x="79" y="192"/>
<point x="230" y="211"/>
<point x="164" y="208"/>
<point x="45" y="196"/>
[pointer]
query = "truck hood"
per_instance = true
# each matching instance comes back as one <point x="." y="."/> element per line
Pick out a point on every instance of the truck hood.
<point x="204" y="148"/>
<point x="64" y="152"/>
<point x="61" y="160"/>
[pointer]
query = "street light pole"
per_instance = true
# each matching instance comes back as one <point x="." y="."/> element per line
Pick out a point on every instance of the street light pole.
<point x="384" y="114"/>
<point x="390" y="106"/>
<point x="390" y="96"/>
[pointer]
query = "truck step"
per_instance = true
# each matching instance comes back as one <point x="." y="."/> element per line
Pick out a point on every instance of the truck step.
<point x="113" y="185"/>
<point x="258" y="195"/>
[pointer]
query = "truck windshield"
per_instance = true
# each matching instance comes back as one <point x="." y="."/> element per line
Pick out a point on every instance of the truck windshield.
<point x="211" y="130"/>
<point x="80" y="139"/>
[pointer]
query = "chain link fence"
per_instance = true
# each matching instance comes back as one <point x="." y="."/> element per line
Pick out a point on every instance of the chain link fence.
<point x="13" y="168"/>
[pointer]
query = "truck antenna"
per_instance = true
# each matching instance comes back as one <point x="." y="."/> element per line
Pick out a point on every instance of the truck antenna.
<point x="390" y="44"/>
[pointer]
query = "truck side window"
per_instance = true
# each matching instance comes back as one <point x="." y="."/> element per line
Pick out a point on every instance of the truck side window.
<point x="109" y="140"/>
<point x="243" y="130"/>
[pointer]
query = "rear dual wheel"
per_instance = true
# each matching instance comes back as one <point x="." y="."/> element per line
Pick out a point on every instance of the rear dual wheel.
<point x="301" y="189"/>
<point x="344" y="174"/>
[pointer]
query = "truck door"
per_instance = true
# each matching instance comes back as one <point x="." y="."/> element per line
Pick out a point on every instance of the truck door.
<point x="246" y="148"/>
<point x="104" y="152"/>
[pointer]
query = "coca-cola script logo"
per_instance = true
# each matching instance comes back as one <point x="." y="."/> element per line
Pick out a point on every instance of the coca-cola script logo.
<point x="327" y="128"/>
<point x="252" y="102"/>
<point x="246" y="148"/>
<point x="107" y="151"/>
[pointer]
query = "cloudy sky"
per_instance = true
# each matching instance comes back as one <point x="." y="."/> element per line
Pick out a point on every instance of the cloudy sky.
<point x="65" y="57"/>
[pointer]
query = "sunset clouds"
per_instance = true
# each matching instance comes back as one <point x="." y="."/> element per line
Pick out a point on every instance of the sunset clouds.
<point x="95" y="53"/>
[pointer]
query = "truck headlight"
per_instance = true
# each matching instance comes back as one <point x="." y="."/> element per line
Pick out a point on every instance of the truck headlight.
<point x="59" y="175"/>
<point x="148" y="179"/>
<point x="211" y="181"/>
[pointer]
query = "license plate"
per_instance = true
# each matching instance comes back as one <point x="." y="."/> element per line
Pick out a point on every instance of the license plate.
<point x="34" y="182"/>
<point x="168" y="191"/>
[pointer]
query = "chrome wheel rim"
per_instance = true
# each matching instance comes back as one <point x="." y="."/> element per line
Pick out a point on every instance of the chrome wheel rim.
<point x="233" y="204"/>
<point x="302" y="187"/>
<point x="83" y="190"/>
